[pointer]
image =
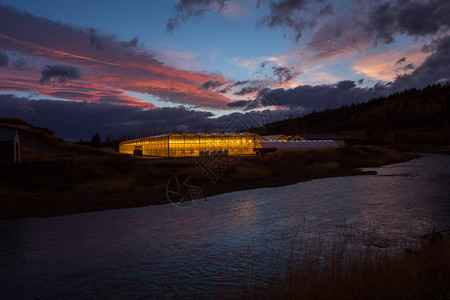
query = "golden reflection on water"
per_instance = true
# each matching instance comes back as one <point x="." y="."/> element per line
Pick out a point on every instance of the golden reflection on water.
<point x="245" y="212"/>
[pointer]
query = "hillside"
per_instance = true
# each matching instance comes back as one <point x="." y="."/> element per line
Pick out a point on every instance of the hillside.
<point x="413" y="116"/>
<point x="41" y="144"/>
<point x="21" y="125"/>
<point x="56" y="177"/>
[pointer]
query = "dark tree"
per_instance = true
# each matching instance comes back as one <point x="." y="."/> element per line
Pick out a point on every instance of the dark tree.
<point x="96" y="140"/>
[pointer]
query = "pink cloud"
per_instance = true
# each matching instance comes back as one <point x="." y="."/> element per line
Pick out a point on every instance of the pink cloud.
<point x="116" y="66"/>
<point x="75" y="91"/>
<point x="383" y="66"/>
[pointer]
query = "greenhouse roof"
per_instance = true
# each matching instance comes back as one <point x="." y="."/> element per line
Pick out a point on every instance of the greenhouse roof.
<point x="320" y="136"/>
<point x="296" y="145"/>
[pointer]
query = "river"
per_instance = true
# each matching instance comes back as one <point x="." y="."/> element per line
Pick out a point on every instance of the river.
<point x="155" y="250"/>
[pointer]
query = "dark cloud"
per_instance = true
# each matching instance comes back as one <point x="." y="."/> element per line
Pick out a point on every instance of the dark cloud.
<point x="284" y="74"/>
<point x="286" y="13"/>
<point x="223" y="91"/>
<point x="433" y="45"/>
<point x="252" y="119"/>
<point x="414" y="18"/>
<point x="381" y="23"/>
<point x="186" y="9"/>
<point x="345" y="85"/>
<point x="20" y="63"/>
<point x="238" y="103"/>
<point x="401" y="60"/>
<point x="372" y="22"/>
<point x="258" y="4"/>
<point x="308" y="98"/>
<point x="80" y="120"/>
<point x="101" y="42"/>
<point x="327" y="10"/>
<point x="132" y="43"/>
<point x="345" y="34"/>
<point x="94" y="40"/>
<point x="237" y="83"/>
<point x="383" y="20"/>
<point x="172" y="24"/>
<point x="211" y="84"/>
<point x="381" y="87"/>
<point x="422" y="18"/>
<point x="435" y="69"/>
<point x="409" y="67"/>
<point x="228" y="88"/>
<point x="4" y="59"/>
<point x="262" y="100"/>
<point x="61" y="72"/>
<point x="247" y="90"/>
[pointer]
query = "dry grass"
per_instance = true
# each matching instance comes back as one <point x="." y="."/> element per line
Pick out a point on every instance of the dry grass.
<point x="304" y="157"/>
<point x="370" y="156"/>
<point x="52" y="185"/>
<point x="354" y="156"/>
<point x="329" y="165"/>
<point x="116" y="185"/>
<point x="246" y="170"/>
<point x="368" y="275"/>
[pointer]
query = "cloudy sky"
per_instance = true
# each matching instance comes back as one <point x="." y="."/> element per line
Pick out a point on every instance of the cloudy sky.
<point x="142" y="67"/>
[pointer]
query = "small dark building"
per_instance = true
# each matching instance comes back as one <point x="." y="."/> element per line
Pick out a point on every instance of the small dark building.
<point x="276" y="137"/>
<point x="9" y="145"/>
<point x="319" y="137"/>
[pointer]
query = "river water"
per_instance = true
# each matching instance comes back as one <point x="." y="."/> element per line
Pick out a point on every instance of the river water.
<point x="168" y="250"/>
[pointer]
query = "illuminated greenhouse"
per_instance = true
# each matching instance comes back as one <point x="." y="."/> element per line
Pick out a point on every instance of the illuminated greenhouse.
<point x="193" y="144"/>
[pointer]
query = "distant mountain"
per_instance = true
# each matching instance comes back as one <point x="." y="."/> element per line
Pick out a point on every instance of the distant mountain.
<point x="412" y="116"/>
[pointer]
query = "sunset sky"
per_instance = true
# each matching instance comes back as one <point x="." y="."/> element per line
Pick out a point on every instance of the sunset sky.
<point x="146" y="66"/>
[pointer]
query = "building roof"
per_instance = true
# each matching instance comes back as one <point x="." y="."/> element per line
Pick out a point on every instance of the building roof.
<point x="297" y="145"/>
<point x="7" y="134"/>
<point x="321" y="136"/>
<point x="198" y="134"/>
<point x="245" y="133"/>
<point x="273" y="137"/>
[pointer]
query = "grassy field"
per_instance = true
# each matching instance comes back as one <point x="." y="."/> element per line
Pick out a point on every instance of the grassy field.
<point x="75" y="179"/>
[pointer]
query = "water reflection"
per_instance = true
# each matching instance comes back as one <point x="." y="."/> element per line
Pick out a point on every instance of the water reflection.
<point x="162" y="249"/>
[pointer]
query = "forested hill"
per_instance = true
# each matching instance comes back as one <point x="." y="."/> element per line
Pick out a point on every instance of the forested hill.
<point x="426" y="110"/>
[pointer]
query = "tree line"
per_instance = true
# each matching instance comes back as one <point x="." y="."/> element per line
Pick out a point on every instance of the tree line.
<point x="415" y="110"/>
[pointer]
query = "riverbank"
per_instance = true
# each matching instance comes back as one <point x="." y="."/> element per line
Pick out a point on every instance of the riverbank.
<point x="77" y="182"/>
<point x="422" y="273"/>
<point x="286" y="168"/>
